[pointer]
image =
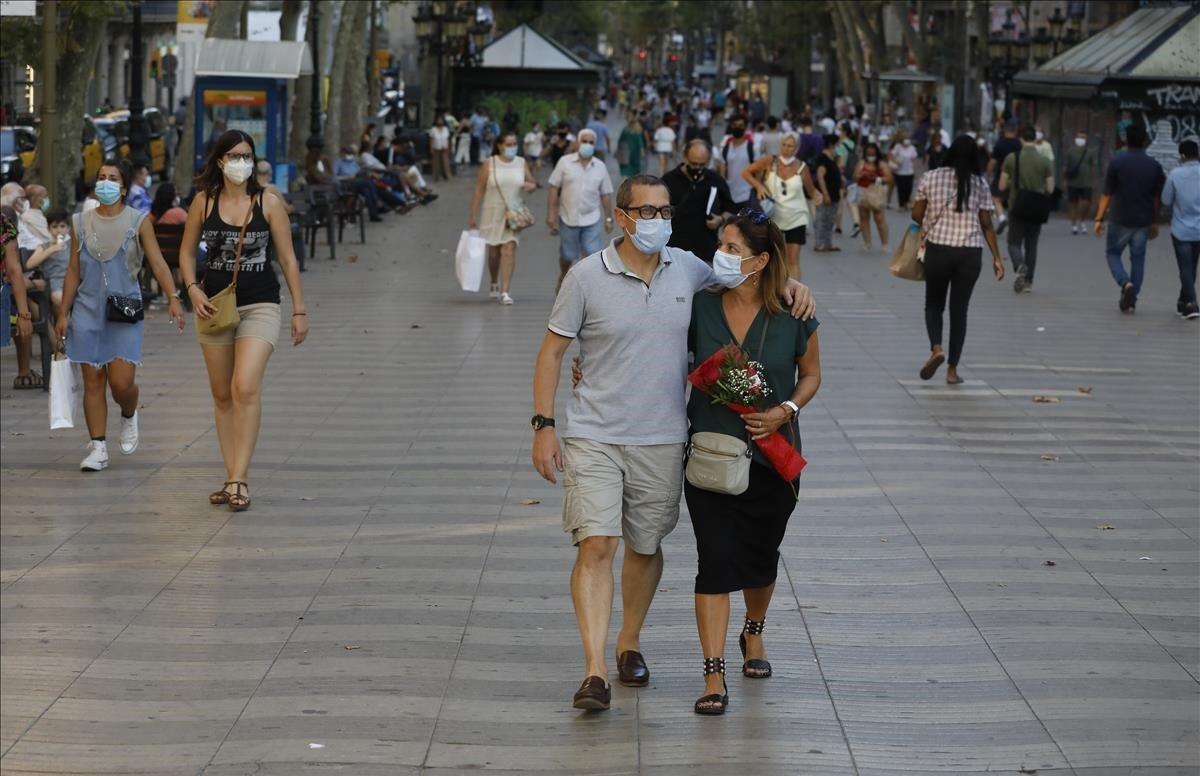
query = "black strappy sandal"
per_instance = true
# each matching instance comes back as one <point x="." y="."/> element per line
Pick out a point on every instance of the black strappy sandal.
<point x="715" y="703"/>
<point x="220" y="497"/>
<point x="756" y="668"/>
<point x="237" y="501"/>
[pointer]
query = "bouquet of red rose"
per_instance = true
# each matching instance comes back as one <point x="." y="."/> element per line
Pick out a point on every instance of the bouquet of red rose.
<point x="732" y="380"/>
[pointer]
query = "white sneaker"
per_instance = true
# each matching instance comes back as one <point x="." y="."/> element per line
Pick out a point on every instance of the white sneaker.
<point x="1074" y="228"/>
<point x="505" y="298"/>
<point x="129" y="434"/>
<point x="97" y="457"/>
<point x="495" y="292"/>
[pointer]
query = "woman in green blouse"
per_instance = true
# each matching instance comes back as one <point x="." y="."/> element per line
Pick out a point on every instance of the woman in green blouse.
<point x="630" y="146"/>
<point x="738" y="537"/>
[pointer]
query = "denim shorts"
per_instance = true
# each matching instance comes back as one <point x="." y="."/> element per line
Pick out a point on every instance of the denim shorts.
<point x="575" y="242"/>
<point x="6" y="310"/>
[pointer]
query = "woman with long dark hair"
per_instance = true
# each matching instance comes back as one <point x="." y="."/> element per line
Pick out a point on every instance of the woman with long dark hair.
<point x="103" y="313"/>
<point x="232" y="214"/>
<point x="954" y="208"/>
<point x="738" y="537"/>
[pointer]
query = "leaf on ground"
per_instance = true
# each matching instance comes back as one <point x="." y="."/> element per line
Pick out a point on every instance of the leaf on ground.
<point x="353" y="257"/>
<point x="1086" y="391"/>
<point x="1105" y="527"/>
<point x="308" y="498"/>
<point x="415" y="326"/>
<point x="1046" y="399"/>
<point x="353" y="646"/>
<point x="1048" y="457"/>
<point x="528" y="502"/>
<point x="1049" y="563"/>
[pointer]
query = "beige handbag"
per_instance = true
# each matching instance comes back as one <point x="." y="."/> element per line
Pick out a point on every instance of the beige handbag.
<point x="719" y="462"/>
<point x="227" y="317"/>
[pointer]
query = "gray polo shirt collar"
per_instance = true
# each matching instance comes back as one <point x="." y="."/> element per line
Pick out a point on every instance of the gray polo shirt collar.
<point x="612" y="260"/>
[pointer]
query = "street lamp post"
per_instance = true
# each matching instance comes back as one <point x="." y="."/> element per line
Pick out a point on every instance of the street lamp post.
<point x="315" y="140"/>
<point x="442" y="28"/>
<point x="139" y="133"/>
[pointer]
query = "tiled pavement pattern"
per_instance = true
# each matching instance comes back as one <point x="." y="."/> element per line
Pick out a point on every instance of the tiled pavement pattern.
<point x="972" y="581"/>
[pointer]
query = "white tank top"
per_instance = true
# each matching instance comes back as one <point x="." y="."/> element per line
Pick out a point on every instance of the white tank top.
<point x="791" y="205"/>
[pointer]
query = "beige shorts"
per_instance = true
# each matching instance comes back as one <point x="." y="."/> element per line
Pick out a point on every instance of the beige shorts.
<point x="258" y="320"/>
<point x="630" y="491"/>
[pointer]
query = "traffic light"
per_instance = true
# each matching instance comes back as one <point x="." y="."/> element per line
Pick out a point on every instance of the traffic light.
<point x="674" y="57"/>
<point x="642" y="54"/>
<point x="155" y="60"/>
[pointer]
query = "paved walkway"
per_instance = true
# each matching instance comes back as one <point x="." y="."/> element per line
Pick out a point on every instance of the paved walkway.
<point x="972" y="581"/>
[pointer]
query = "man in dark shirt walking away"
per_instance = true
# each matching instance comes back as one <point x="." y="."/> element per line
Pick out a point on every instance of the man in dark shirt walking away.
<point x="1131" y="186"/>
<point x="700" y="198"/>
<point x="1006" y="145"/>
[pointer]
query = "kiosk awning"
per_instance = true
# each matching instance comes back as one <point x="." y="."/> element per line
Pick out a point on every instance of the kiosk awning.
<point x="254" y="59"/>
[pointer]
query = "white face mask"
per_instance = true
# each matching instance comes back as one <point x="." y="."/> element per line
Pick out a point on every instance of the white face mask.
<point x="1081" y="141"/>
<point x="1038" y="136"/>
<point x="727" y="270"/>
<point x="238" y="171"/>
<point x="786" y="159"/>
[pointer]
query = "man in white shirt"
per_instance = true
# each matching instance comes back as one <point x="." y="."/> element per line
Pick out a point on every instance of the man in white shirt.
<point x="736" y="154"/>
<point x="580" y="197"/>
<point x="32" y="230"/>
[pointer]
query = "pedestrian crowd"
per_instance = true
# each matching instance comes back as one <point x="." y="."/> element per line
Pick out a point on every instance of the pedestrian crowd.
<point x="689" y="276"/>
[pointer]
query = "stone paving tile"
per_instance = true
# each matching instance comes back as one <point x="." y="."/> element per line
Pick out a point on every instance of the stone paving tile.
<point x="391" y="604"/>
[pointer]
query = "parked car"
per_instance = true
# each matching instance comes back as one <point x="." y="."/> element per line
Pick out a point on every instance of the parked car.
<point x="17" y="148"/>
<point x="156" y="124"/>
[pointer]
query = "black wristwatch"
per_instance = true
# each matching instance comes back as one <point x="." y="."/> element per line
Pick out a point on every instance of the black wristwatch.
<point x="540" y="422"/>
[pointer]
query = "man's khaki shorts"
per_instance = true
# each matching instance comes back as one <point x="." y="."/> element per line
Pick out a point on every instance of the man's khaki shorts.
<point x="630" y="491"/>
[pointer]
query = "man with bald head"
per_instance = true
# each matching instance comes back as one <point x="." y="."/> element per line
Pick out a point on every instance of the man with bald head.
<point x="701" y="199"/>
<point x="580" y="202"/>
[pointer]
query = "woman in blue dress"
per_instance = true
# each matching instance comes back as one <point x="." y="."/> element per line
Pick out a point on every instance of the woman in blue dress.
<point x="108" y="245"/>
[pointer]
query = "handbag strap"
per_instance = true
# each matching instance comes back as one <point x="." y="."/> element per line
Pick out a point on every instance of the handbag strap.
<point x="499" y="190"/>
<point x="237" y="254"/>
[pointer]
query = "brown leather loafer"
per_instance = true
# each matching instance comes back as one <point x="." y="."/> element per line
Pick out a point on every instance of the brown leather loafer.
<point x="594" y="694"/>
<point x="632" y="670"/>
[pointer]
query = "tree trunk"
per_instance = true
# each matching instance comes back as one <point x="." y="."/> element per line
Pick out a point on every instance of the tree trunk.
<point x="222" y="24"/>
<point x="345" y="51"/>
<point x="849" y="40"/>
<point x="289" y="19"/>
<point x="302" y="105"/>
<point x="75" y="65"/>
<point x="354" y="91"/>
<point x="914" y="39"/>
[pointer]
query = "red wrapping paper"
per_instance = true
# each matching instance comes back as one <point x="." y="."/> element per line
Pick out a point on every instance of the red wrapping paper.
<point x="775" y="447"/>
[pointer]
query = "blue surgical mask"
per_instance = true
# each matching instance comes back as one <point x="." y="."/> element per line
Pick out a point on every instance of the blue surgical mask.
<point x="727" y="270"/>
<point x="587" y="149"/>
<point x="651" y="234"/>
<point x="510" y="152"/>
<point x="108" y="192"/>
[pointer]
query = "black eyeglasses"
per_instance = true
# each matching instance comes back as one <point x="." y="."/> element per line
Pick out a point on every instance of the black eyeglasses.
<point x="239" y="157"/>
<point x="755" y="215"/>
<point x="650" y="211"/>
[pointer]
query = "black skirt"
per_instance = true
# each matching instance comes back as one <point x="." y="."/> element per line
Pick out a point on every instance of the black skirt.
<point x="738" y="537"/>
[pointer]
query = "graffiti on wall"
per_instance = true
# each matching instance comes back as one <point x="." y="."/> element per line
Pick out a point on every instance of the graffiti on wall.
<point x="1170" y="112"/>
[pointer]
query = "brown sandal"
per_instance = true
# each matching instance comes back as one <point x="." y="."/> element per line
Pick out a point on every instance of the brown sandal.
<point x="220" y="497"/>
<point x="238" y="502"/>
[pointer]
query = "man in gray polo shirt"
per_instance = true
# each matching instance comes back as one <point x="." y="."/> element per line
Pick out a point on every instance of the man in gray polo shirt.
<point x="629" y="306"/>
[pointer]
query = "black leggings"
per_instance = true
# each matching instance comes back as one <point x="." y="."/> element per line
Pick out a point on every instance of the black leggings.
<point x="952" y="269"/>
<point x="903" y="189"/>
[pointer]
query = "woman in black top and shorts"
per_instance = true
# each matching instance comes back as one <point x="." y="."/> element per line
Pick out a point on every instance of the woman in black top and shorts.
<point x="229" y="196"/>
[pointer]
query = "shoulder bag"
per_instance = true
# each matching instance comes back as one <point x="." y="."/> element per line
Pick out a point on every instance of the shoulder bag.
<point x="1030" y="205"/>
<point x="720" y="463"/>
<point x="226" y="317"/>
<point x="518" y="219"/>
<point x="120" y="308"/>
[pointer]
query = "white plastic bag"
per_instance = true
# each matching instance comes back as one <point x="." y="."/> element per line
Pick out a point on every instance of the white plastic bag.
<point x="66" y="393"/>
<point x="470" y="260"/>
